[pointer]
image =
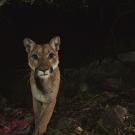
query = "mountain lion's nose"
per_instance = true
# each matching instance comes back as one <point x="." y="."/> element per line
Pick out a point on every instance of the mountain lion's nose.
<point x="46" y="70"/>
<point x="42" y="69"/>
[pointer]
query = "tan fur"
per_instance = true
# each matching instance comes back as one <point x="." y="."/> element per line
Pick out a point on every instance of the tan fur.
<point x="44" y="98"/>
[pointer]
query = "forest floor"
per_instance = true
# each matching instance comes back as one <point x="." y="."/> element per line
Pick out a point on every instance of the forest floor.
<point x="97" y="99"/>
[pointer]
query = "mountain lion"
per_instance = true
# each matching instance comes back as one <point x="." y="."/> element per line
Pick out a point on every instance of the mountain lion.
<point x="43" y="61"/>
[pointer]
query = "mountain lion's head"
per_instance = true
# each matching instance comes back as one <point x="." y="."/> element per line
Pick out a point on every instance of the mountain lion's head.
<point x="43" y="59"/>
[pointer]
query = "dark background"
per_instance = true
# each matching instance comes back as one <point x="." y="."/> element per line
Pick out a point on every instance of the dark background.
<point x="41" y="24"/>
<point x="93" y="31"/>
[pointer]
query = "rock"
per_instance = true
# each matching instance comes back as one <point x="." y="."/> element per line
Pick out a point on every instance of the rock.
<point x="54" y="132"/>
<point x="112" y="83"/>
<point x="64" y="124"/>
<point x="113" y="117"/>
<point x="121" y="112"/>
<point x="78" y="130"/>
<point x="127" y="57"/>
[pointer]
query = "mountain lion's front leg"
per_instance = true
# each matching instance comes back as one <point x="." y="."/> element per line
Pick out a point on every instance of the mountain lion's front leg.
<point x="45" y="116"/>
<point x="37" y="109"/>
<point x="43" y="60"/>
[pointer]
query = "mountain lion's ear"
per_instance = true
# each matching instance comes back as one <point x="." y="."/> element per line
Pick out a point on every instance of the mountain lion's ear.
<point x="28" y="44"/>
<point x="55" y="43"/>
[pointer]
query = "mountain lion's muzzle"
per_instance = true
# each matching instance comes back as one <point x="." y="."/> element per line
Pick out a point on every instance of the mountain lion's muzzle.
<point x="43" y="72"/>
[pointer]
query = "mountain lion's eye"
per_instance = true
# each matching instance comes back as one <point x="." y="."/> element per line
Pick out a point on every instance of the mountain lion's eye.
<point x="35" y="56"/>
<point x="51" y="55"/>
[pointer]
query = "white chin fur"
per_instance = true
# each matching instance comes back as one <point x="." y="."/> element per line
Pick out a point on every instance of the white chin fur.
<point x="43" y="75"/>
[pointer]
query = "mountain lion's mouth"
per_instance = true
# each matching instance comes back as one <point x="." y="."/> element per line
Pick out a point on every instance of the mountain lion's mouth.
<point x="43" y="75"/>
